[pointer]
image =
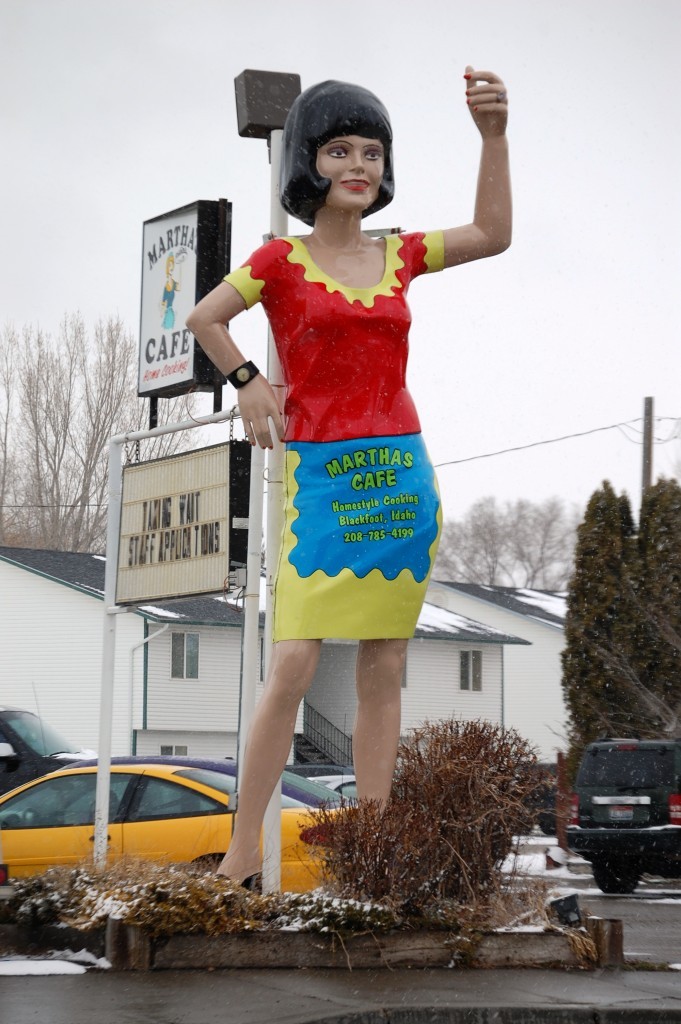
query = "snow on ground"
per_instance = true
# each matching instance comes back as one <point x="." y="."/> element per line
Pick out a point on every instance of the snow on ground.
<point x="63" y="961"/>
<point x="21" y="967"/>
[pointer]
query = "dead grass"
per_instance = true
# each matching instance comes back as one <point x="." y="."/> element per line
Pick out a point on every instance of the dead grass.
<point x="181" y="899"/>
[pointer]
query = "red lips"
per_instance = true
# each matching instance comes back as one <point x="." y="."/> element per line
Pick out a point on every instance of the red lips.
<point x="355" y="185"/>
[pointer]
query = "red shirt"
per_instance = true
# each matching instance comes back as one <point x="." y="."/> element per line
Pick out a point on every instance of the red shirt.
<point x="343" y="350"/>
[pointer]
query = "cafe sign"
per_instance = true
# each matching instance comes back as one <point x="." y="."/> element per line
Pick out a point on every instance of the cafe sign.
<point x="185" y="254"/>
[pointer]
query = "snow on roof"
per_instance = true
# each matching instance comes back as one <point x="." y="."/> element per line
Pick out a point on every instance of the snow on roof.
<point x="546" y="606"/>
<point x="553" y="603"/>
<point x="434" y="618"/>
<point x="164" y="612"/>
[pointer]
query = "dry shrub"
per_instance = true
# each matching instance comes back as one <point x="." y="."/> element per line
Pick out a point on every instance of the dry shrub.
<point x="459" y="798"/>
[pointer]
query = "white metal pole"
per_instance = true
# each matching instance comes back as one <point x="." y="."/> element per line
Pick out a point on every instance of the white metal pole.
<point x="275" y="510"/>
<point x="108" y="655"/>
<point x="250" y="668"/>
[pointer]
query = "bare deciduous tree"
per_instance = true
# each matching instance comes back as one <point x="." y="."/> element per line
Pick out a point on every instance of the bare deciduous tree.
<point x="60" y="401"/>
<point x="519" y="544"/>
<point x="8" y="356"/>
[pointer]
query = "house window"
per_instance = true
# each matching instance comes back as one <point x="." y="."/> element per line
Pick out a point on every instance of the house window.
<point x="168" y="750"/>
<point x="470" y="677"/>
<point x="185" y="656"/>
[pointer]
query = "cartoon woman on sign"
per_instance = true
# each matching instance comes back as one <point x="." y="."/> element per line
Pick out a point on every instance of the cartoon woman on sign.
<point x="169" y="289"/>
<point x="362" y="515"/>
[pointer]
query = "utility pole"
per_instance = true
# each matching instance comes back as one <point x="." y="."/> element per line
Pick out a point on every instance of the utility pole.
<point x="647" y="475"/>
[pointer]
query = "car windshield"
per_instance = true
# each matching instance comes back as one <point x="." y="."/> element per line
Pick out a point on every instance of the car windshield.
<point x="312" y="793"/>
<point x="226" y="783"/>
<point x="640" y="768"/>
<point x="38" y="735"/>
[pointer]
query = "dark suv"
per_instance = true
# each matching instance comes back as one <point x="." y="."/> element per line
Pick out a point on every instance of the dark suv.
<point x="29" y="748"/>
<point x="626" y="811"/>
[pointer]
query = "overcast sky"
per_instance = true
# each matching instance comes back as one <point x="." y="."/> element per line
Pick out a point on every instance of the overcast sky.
<point x="113" y="113"/>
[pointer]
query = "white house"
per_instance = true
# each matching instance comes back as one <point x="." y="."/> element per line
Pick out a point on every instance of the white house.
<point x="533" y="695"/>
<point x="177" y="670"/>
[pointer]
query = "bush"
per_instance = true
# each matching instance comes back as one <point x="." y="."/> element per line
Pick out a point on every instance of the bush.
<point x="459" y="797"/>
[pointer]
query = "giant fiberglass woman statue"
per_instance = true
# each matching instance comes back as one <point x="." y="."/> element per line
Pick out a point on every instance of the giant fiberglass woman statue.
<point x="362" y="513"/>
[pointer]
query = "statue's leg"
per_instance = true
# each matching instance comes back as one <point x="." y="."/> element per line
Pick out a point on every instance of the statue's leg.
<point x="380" y="667"/>
<point x="269" y="740"/>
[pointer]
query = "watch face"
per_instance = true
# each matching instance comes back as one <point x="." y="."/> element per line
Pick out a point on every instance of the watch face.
<point x="243" y="374"/>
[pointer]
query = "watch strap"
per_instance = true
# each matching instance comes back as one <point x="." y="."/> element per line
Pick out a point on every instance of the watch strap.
<point x="243" y="374"/>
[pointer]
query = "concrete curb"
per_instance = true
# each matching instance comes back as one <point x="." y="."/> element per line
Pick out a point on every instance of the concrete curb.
<point x="129" y="948"/>
<point x="513" y="1015"/>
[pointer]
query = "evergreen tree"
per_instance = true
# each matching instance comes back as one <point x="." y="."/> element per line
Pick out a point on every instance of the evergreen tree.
<point x="656" y="590"/>
<point x="599" y="699"/>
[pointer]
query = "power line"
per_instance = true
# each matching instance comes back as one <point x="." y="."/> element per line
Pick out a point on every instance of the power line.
<point x="552" y="440"/>
<point x="71" y="504"/>
<point x="473" y="458"/>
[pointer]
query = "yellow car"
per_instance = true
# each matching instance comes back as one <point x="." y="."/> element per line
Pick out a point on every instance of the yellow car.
<point x="161" y="809"/>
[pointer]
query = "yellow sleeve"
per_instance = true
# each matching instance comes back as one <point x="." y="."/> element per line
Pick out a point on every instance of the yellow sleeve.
<point x="434" y="242"/>
<point x="248" y="287"/>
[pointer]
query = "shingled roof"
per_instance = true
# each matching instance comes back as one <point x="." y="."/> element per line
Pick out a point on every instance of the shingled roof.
<point x="85" y="572"/>
<point x="547" y="606"/>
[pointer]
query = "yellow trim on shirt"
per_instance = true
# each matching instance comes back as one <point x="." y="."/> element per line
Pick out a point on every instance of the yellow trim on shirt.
<point x="249" y="288"/>
<point x="393" y="263"/>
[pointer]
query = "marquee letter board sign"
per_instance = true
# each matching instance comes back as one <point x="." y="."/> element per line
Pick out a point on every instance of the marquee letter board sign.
<point x="185" y="254"/>
<point x="184" y="523"/>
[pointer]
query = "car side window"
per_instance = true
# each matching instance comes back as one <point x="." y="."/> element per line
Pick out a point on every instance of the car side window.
<point x="60" y="802"/>
<point x="163" y="799"/>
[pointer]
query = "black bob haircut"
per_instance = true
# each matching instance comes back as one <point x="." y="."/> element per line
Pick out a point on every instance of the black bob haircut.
<point x="322" y="112"/>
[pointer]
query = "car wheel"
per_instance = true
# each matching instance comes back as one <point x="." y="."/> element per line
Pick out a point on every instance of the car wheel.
<point x="209" y="862"/>
<point x="617" y="877"/>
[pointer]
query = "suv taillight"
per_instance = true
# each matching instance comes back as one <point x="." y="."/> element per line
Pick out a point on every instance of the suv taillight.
<point x="4" y="874"/>
<point x="574" y="809"/>
<point x="675" y="809"/>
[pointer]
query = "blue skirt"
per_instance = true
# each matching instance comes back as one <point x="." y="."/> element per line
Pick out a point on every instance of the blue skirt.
<point x="361" y="529"/>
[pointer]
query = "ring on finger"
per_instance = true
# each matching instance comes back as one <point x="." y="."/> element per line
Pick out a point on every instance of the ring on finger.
<point x="501" y="96"/>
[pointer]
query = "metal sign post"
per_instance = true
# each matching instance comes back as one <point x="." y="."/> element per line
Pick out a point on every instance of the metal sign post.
<point x="112" y="610"/>
<point x="263" y="99"/>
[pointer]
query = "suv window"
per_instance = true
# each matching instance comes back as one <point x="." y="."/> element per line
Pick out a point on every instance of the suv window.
<point x="38" y="735"/>
<point x="644" y="768"/>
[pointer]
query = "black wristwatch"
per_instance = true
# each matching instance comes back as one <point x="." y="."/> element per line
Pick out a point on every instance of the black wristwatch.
<point x="243" y="374"/>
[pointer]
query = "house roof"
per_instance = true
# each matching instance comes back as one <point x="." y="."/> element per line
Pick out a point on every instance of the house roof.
<point x="85" y="572"/>
<point x="546" y="606"/>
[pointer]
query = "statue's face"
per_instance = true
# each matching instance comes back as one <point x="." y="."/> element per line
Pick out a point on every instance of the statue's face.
<point x="355" y="167"/>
